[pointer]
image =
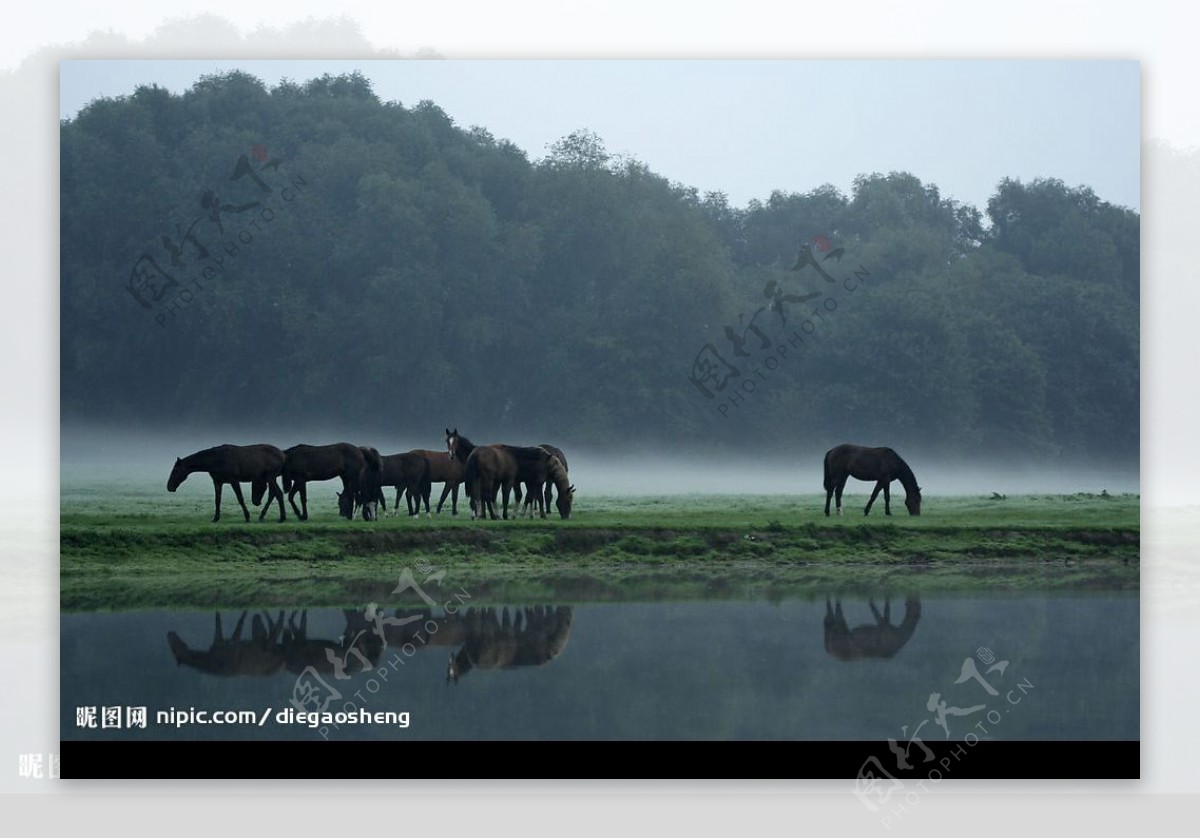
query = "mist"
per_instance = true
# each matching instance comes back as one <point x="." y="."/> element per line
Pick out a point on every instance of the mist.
<point x="103" y="455"/>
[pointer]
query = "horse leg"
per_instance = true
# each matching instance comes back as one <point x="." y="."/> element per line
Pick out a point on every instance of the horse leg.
<point x="887" y="498"/>
<point x="292" y="499"/>
<point x="828" y="498"/>
<point x="304" y="501"/>
<point x="878" y="486"/>
<point x="549" y="495"/>
<point x="506" y="489"/>
<point x="841" y="486"/>
<point x="217" y="492"/>
<point x="277" y="494"/>
<point x="237" y="492"/>
<point x="442" y="500"/>
<point x="454" y="501"/>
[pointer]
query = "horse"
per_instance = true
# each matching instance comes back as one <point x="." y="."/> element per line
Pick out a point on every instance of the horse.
<point x="410" y="473"/>
<point x="562" y="458"/>
<point x="501" y="467"/>
<point x="541" y="475"/>
<point x="458" y="450"/>
<point x="444" y="470"/>
<point x="880" y="465"/>
<point x="322" y="463"/>
<point x="367" y="490"/>
<point x="878" y="640"/>
<point x="260" y="465"/>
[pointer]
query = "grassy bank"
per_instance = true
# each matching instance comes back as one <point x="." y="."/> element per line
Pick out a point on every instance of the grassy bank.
<point x="126" y="549"/>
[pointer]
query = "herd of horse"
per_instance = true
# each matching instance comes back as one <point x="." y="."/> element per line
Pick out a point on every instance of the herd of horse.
<point x="486" y="472"/>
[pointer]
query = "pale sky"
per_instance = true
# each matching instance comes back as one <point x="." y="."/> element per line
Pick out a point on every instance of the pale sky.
<point x="749" y="127"/>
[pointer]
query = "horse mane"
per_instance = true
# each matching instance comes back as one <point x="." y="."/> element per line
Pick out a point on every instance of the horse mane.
<point x="905" y="473"/>
<point x="557" y="472"/>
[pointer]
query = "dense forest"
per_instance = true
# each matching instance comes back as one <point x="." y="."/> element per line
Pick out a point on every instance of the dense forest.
<point x="247" y="255"/>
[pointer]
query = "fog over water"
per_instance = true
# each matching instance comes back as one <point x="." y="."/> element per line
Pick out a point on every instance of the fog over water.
<point x="105" y="456"/>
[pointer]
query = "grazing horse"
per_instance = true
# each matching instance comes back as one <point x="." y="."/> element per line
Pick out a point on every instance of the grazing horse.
<point x="411" y="474"/>
<point x="322" y="463"/>
<point x="562" y="458"/>
<point x="880" y="465"/>
<point x="538" y="468"/>
<point x="367" y="491"/>
<point x="502" y="467"/>
<point x="531" y="638"/>
<point x="878" y="640"/>
<point x="260" y="465"/>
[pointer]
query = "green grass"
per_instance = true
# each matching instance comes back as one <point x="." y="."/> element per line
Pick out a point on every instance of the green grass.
<point x="124" y="548"/>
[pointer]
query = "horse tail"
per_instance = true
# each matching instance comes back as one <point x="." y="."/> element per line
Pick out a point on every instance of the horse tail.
<point x="472" y="475"/>
<point x="828" y="473"/>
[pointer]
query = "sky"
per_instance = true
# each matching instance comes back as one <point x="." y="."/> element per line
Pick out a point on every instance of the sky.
<point x="749" y="127"/>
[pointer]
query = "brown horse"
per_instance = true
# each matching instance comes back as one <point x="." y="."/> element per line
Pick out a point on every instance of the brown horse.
<point x="447" y="471"/>
<point x="501" y="467"/>
<point x="411" y="474"/>
<point x="367" y="490"/>
<point x="261" y="465"/>
<point x="529" y="637"/>
<point x="880" y="465"/>
<point x="877" y="640"/>
<point x="549" y="494"/>
<point x="543" y="475"/>
<point x="322" y="463"/>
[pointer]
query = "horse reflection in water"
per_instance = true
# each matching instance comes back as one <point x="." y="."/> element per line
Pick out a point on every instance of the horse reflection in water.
<point x="275" y="645"/>
<point x="261" y="655"/>
<point x="528" y="637"/>
<point x="870" y="640"/>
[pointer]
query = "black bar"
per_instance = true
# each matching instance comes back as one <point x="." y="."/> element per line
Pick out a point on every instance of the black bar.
<point x="984" y="759"/>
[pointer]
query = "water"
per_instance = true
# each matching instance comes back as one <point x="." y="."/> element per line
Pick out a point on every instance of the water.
<point x="719" y="669"/>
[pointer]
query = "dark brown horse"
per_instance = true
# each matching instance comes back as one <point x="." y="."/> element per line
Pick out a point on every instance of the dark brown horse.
<point x="367" y="490"/>
<point x="541" y="475"/>
<point x="500" y="468"/>
<point x="878" y="640"/>
<point x="562" y="458"/>
<point x="323" y="463"/>
<point x="880" y="465"/>
<point x="261" y="465"/>
<point x="447" y="471"/>
<point x="411" y="474"/>
<point x="458" y="450"/>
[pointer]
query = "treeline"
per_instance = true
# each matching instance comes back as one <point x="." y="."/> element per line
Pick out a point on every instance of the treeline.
<point x="248" y="255"/>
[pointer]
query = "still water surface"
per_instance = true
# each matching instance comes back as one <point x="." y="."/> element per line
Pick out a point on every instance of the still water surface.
<point x="791" y="669"/>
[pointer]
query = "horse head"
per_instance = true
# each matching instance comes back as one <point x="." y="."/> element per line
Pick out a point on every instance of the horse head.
<point x="178" y="475"/>
<point x="913" y="502"/>
<point x="564" y="501"/>
<point x="452" y="441"/>
<point x="346" y="505"/>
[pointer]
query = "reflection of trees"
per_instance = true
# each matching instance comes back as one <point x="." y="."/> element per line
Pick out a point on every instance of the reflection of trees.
<point x="870" y="640"/>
